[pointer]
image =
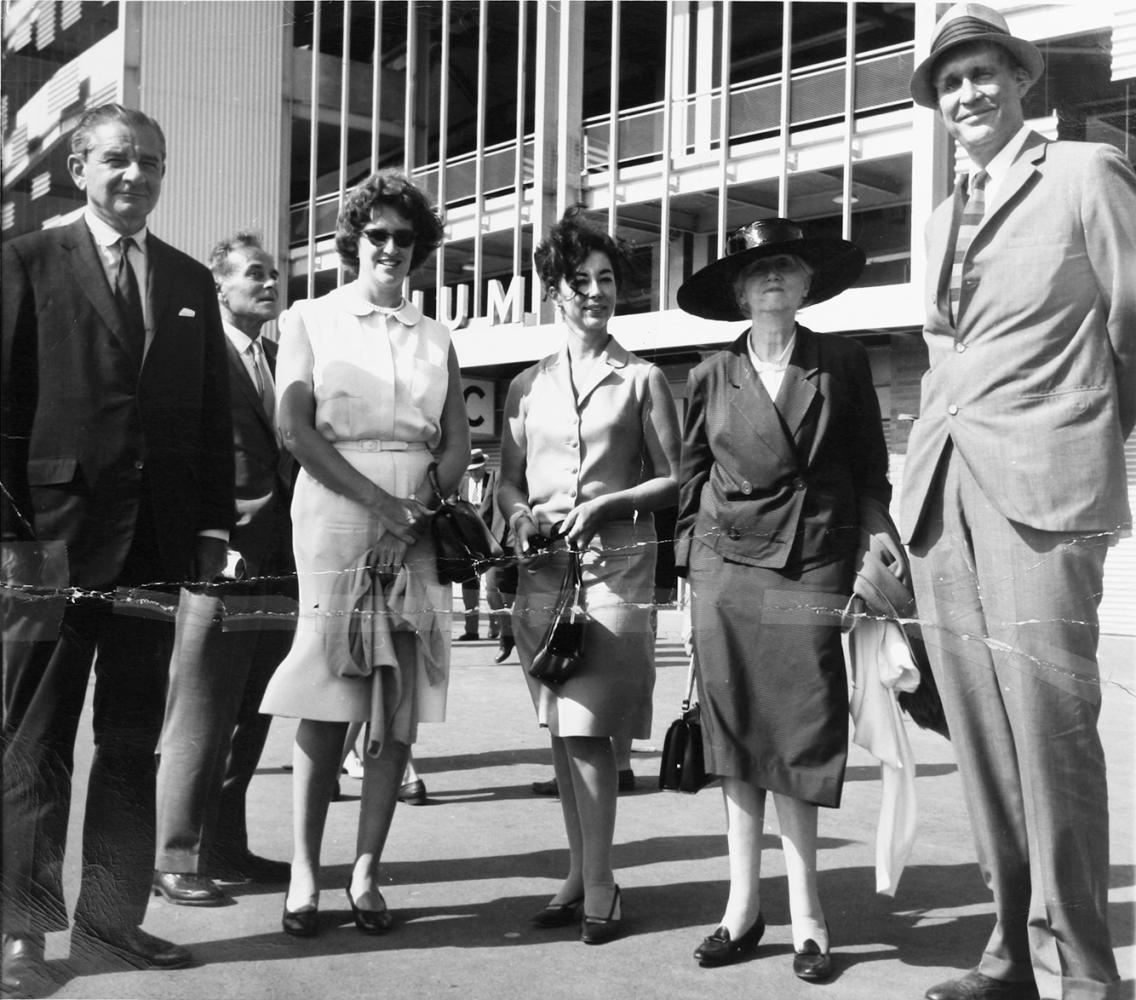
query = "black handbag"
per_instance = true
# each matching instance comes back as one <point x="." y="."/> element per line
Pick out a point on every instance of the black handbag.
<point x="562" y="648"/>
<point x="463" y="544"/>
<point x="683" y="767"/>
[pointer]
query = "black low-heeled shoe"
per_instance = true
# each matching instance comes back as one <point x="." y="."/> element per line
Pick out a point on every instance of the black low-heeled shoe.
<point x="558" y="914"/>
<point x="370" y="921"/>
<point x="811" y="964"/>
<point x="720" y="949"/>
<point x="600" y="930"/>
<point x="300" y="923"/>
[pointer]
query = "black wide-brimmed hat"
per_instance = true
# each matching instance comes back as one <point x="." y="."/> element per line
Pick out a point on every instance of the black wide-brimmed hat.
<point x="709" y="293"/>
<point x="964" y="24"/>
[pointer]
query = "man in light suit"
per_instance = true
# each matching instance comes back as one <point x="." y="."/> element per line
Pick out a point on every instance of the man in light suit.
<point x="1014" y="487"/>
<point x="214" y="732"/>
<point x="479" y="487"/>
<point x="117" y="442"/>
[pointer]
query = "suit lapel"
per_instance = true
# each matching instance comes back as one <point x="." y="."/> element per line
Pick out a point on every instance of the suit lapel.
<point x="91" y="278"/>
<point x="1021" y="170"/>
<point x="750" y="403"/>
<point x="248" y="389"/>
<point x="798" y="389"/>
<point x="161" y="288"/>
<point x="940" y="248"/>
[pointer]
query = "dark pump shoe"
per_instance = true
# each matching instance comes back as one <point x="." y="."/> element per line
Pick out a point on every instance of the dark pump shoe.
<point x="25" y="973"/>
<point x="600" y="930"/>
<point x="133" y="945"/>
<point x="300" y="923"/>
<point x="975" y="986"/>
<point x="413" y="793"/>
<point x="720" y="949"/>
<point x="811" y="964"/>
<point x="188" y="889"/>
<point x="558" y="914"/>
<point x="504" y="650"/>
<point x="370" y="921"/>
<point x="249" y="867"/>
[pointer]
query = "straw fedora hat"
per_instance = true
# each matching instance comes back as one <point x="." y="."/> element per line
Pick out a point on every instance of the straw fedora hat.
<point x="709" y="293"/>
<point x="964" y="24"/>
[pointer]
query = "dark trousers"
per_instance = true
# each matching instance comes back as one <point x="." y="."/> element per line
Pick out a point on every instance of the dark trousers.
<point x="471" y="599"/>
<point x="500" y="591"/>
<point x="213" y="735"/>
<point x="45" y="685"/>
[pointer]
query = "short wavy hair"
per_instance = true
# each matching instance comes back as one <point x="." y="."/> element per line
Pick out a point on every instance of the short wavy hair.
<point x="83" y="137"/>
<point x="220" y="257"/>
<point x="392" y="189"/>
<point x="567" y="246"/>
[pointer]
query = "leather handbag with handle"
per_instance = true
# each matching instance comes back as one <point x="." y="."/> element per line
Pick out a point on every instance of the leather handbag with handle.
<point x="463" y="544"/>
<point x="682" y="767"/>
<point x="562" y="648"/>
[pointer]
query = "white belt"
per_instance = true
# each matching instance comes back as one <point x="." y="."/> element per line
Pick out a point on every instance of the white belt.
<point x="372" y="444"/>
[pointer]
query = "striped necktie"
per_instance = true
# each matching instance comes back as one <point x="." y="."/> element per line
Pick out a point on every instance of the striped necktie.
<point x="129" y="300"/>
<point x="972" y="212"/>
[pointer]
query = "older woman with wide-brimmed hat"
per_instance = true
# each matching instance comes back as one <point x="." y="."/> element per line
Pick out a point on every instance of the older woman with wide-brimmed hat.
<point x="783" y="463"/>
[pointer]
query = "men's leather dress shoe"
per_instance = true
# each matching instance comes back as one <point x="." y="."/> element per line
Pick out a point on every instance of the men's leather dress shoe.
<point x="720" y="949"/>
<point x="132" y="945"/>
<point x="188" y="889"/>
<point x="25" y="973"/>
<point x="504" y="650"/>
<point x="469" y="637"/>
<point x="811" y="964"/>
<point x="249" y="867"/>
<point x="975" y="986"/>
<point x="413" y="793"/>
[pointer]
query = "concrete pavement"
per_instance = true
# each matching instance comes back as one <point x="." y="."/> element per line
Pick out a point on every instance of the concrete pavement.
<point x="467" y="870"/>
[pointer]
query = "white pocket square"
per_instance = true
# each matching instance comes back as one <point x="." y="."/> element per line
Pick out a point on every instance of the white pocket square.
<point x="186" y="311"/>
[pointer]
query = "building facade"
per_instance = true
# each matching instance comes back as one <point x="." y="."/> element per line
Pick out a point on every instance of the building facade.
<point x="672" y="122"/>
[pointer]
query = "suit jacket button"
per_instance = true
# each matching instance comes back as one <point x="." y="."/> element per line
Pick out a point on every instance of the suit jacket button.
<point x="139" y="464"/>
<point x="733" y="534"/>
<point x="952" y="409"/>
<point x="959" y="347"/>
<point x="747" y="487"/>
<point x="798" y="483"/>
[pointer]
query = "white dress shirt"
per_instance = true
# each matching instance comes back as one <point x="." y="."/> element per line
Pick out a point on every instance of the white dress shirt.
<point x="106" y="242"/>
<point x="772" y="373"/>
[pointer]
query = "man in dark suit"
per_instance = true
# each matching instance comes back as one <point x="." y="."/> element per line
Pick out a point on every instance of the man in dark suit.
<point x="117" y="443"/>
<point x="214" y="732"/>
<point x="1014" y="488"/>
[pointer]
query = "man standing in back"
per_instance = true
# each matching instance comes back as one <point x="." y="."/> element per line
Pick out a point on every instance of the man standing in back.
<point x="1014" y="488"/>
<point x="214" y="732"/>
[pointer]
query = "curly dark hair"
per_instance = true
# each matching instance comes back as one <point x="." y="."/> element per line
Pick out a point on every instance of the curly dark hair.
<point x="387" y="187"/>
<point x="567" y="246"/>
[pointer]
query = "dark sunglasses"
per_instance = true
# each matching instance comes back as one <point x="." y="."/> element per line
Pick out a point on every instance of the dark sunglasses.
<point x="403" y="238"/>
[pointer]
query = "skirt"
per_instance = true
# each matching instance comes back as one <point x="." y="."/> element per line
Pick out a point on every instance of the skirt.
<point x="771" y="675"/>
<point x="330" y="534"/>
<point x="610" y="694"/>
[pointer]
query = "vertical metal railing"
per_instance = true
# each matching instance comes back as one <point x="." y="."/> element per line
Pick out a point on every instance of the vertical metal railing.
<point x="313" y="150"/>
<point x="786" y="107"/>
<point x="443" y="152"/>
<point x="344" y="120"/>
<point x="665" y="196"/>
<point x="849" y="120"/>
<point x="613" y="118"/>
<point x="519" y="160"/>
<point x="376" y="85"/>
<point x="726" y="9"/>
<point x="411" y="91"/>
<point x="479" y="160"/>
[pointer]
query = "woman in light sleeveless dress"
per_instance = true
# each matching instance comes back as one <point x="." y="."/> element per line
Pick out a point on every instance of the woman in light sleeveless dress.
<point x="370" y="397"/>
<point x="591" y="441"/>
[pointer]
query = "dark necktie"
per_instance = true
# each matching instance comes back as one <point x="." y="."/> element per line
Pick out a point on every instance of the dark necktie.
<point x="972" y="212"/>
<point x="129" y="300"/>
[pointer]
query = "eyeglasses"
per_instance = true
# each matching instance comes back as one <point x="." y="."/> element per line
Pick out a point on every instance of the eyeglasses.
<point x="403" y="238"/>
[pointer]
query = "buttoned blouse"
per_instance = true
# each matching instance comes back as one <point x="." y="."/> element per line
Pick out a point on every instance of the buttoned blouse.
<point x="583" y="444"/>
<point x="376" y="374"/>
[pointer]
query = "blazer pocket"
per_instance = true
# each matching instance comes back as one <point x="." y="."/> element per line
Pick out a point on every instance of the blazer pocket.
<point x="52" y="471"/>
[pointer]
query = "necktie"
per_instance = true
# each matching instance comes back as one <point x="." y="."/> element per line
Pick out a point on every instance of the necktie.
<point x="129" y="300"/>
<point x="263" y="379"/>
<point x="972" y="212"/>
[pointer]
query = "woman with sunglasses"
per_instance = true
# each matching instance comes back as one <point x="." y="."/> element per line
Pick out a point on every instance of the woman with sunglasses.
<point x="369" y="400"/>
<point x="589" y="448"/>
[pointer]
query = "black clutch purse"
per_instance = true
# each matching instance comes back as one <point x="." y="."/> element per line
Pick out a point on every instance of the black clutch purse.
<point x="463" y="544"/>
<point x="562" y="648"/>
<point x="682" y="767"/>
